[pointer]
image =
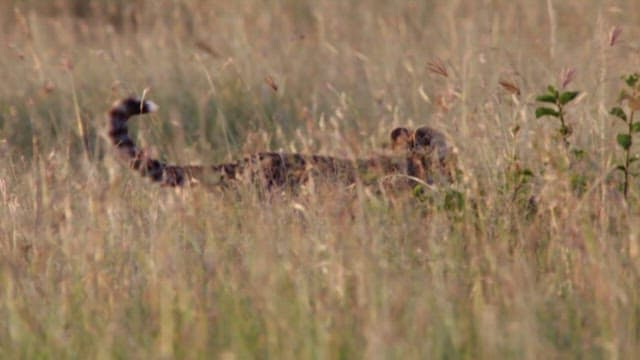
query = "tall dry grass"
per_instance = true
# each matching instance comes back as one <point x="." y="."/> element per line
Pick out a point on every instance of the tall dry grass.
<point x="97" y="263"/>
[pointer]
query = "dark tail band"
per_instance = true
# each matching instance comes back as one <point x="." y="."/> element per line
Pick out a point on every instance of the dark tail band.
<point x="155" y="169"/>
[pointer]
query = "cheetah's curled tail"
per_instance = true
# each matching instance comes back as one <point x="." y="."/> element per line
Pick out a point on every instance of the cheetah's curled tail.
<point x="155" y="169"/>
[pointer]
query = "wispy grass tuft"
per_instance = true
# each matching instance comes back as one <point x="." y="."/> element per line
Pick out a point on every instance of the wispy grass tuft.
<point x="509" y="262"/>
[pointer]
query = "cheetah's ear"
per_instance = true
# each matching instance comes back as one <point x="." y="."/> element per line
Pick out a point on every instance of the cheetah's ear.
<point x="401" y="138"/>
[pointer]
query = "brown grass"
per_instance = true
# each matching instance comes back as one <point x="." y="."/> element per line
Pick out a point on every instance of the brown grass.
<point x="97" y="263"/>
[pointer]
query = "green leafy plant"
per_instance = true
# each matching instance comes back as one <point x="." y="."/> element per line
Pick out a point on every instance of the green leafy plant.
<point x="453" y="201"/>
<point x="517" y="178"/>
<point x="558" y="100"/>
<point x="630" y="95"/>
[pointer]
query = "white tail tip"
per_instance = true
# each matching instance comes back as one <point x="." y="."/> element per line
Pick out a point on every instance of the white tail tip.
<point x="151" y="106"/>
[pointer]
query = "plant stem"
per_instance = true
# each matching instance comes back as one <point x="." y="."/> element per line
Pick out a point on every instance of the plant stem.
<point x="627" y="160"/>
<point x="564" y="131"/>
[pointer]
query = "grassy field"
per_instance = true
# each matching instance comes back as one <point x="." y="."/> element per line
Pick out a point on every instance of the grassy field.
<point x="541" y="260"/>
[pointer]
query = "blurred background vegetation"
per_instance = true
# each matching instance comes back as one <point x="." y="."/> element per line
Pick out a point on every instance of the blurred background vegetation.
<point x="95" y="262"/>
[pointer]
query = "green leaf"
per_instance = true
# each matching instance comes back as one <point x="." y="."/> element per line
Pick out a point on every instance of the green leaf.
<point x="632" y="79"/>
<point x="453" y="200"/>
<point x="526" y="172"/>
<point x="624" y="140"/>
<point x="420" y="193"/>
<point x="543" y="111"/>
<point x="552" y="90"/>
<point x="621" y="168"/>
<point x="568" y="96"/>
<point x="635" y="127"/>
<point x="618" y="112"/>
<point x="548" y="98"/>
<point x="579" y="184"/>
<point x="578" y="153"/>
